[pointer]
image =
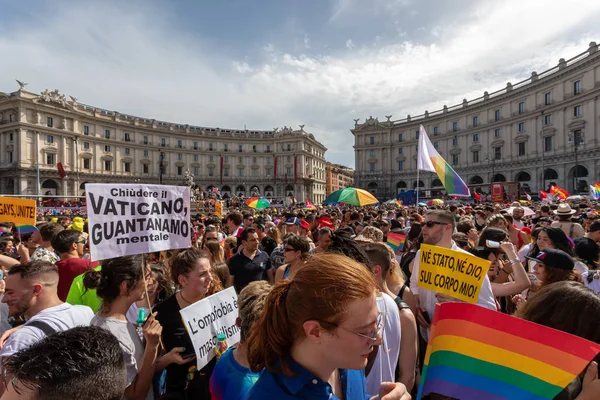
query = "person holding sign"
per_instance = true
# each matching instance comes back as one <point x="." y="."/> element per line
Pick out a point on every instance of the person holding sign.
<point x="437" y="230"/>
<point x="316" y="333"/>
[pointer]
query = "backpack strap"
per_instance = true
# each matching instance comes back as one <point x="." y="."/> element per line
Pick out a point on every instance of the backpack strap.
<point x="42" y="326"/>
<point x="401" y="303"/>
<point x="571" y="230"/>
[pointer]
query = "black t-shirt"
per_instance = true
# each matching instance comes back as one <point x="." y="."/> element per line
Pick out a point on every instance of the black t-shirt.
<point x="245" y="270"/>
<point x="268" y="245"/>
<point x="175" y="335"/>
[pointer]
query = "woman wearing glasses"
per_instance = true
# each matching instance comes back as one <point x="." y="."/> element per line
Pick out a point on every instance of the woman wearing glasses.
<point x="296" y="250"/>
<point x="316" y="333"/>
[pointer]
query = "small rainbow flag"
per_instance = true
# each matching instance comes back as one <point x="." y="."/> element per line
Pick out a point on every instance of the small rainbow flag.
<point x="396" y="241"/>
<point x="475" y="353"/>
<point x="559" y="192"/>
<point x="309" y="206"/>
<point x="25" y="229"/>
<point x="398" y="203"/>
<point x="429" y="159"/>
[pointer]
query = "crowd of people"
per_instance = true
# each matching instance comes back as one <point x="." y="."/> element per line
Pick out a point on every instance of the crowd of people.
<point x="327" y="309"/>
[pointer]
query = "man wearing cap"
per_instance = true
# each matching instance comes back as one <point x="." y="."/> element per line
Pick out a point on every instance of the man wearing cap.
<point x="571" y="229"/>
<point x="304" y="230"/>
<point x="292" y="225"/>
<point x="553" y="258"/>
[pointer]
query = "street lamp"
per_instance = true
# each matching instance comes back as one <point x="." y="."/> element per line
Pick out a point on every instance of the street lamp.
<point x="576" y="138"/>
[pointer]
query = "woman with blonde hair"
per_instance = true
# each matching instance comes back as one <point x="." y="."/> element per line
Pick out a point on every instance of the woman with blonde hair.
<point x="272" y="232"/>
<point x="316" y="333"/>
<point x="215" y="252"/>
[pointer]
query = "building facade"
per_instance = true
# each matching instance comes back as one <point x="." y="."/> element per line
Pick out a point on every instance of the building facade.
<point x="541" y="130"/>
<point x="338" y="177"/>
<point x="37" y="132"/>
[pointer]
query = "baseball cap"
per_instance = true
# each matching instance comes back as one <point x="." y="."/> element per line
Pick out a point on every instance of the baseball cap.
<point x="555" y="258"/>
<point x="595" y="226"/>
<point x="304" y="225"/>
<point x="293" y="221"/>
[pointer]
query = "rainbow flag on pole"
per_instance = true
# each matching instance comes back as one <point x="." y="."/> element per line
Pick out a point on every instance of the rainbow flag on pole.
<point x="430" y="160"/>
<point x="398" y="203"/>
<point x="475" y="353"/>
<point x="396" y="241"/>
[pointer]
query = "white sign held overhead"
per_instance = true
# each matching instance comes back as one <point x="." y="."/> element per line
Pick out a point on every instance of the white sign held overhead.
<point x="209" y="317"/>
<point x="135" y="219"/>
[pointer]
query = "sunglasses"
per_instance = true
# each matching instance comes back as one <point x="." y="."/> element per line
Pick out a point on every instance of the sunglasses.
<point x="430" y="224"/>
<point x="82" y="241"/>
<point x="286" y="249"/>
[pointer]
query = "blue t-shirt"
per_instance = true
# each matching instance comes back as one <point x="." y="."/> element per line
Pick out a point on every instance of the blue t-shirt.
<point x="304" y="385"/>
<point x="230" y="380"/>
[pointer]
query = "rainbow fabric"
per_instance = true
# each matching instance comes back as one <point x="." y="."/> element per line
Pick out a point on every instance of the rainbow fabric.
<point x="398" y="203"/>
<point x="396" y="241"/>
<point x="475" y="353"/>
<point x="594" y="193"/>
<point x="309" y="206"/>
<point x="25" y="229"/>
<point x="559" y="192"/>
<point x="430" y="160"/>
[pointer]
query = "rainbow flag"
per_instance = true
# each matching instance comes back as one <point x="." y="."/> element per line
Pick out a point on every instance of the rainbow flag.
<point x="396" y="241"/>
<point x="475" y="353"/>
<point x="398" y="203"/>
<point x="309" y="206"/>
<point x="25" y="229"/>
<point x="429" y="159"/>
<point x="558" y="192"/>
<point x="597" y="187"/>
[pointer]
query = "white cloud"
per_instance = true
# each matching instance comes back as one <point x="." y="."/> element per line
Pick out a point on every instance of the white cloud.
<point x="134" y="62"/>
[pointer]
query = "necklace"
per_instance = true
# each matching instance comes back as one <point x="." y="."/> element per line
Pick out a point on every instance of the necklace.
<point x="183" y="298"/>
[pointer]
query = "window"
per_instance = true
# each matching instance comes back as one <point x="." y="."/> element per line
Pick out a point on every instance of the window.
<point x="454" y="159"/>
<point x="254" y="160"/>
<point x="254" y="148"/>
<point x="371" y="167"/>
<point x="179" y="156"/>
<point x="475" y="120"/>
<point x="107" y="134"/>
<point x="576" y="87"/>
<point x="10" y="137"/>
<point x="399" y="137"/>
<point x="497" y="132"/>
<point x="548" y="143"/>
<point x="49" y="122"/>
<point x="180" y="144"/>
<point x="497" y="115"/>
<point x="195" y="145"/>
<point x="476" y="137"/>
<point x="521" y="126"/>
<point x="49" y="139"/>
<point x="269" y="160"/>
<point x="50" y="158"/>
<point x="548" y="98"/>
<point x="226" y="159"/>
<point x="476" y="156"/>
<point x="127" y="137"/>
<point x="86" y="145"/>
<point x="225" y="171"/>
<point x="241" y="172"/>
<point x="127" y="150"/>
<point x="435" y="145"/>
<point x="289" y="147"/>
<point x="241" y="160"/>
<point x="195" y="157"/>
<point x="211" y="158"/>
<point x="417" y="135"/>
<point x="455" y="126"/>
<point x="179" y="170"/>
<point x="86" y="163"/>
<point x="577" y="111"/>
<point x="455" y="141"/>
<point x="498" y="153"/>
<point x="210" y="147"/>
<point x="522" y="148"/>
<point x="399" y="150"/>
<point x="146" y="153"/>
<point x="107" y="165"/>
<point x="400" y="165"/>
<point x="127" y="167"/>
<point x="435" y="131"/>
<point x="371" y="154"/>
<point x="521" y="107"/>
<point x="163" y="142"/>
<point x="372" y="140"/>
<point x="211" y="171"/>
<point x="145" y="168"/>
<point x="548" y="119"/>
<point x="268" y="148"/>
<point x="269" y="172"/>
<point x="145" y="139"/>
<point x="255" y="172"/>
<point x="107" y="148"/>
<point x="86" y="130"/>
<point x="196" y="171"/>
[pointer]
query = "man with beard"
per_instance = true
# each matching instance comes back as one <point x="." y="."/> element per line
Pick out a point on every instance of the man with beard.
<point x="31" y="291"/>
<point x="437" y="230"/>
<point x="517" y="214"/>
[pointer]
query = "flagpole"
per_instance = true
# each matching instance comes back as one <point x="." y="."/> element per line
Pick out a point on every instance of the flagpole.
<point x="417" y="186"/>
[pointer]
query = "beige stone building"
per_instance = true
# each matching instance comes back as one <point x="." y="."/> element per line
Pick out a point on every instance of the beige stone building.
<point x="93" y="145"/>
<point x="543" y="129"/>
<point x="338" y="177"/>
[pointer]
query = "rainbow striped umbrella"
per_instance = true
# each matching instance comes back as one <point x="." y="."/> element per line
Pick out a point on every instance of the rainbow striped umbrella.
<point x="353" y="196"/>
<point x="258" y="202"/>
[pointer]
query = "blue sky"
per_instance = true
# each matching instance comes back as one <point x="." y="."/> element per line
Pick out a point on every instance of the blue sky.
<point x="270" y="63"/>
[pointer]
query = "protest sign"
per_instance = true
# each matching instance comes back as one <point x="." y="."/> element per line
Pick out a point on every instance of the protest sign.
<point x="136" y="219"/>
<point x="207" y="318"/>
<point x="19" y="211"/>
<point x="219" y="209"/>
<point x="455" y="273"/>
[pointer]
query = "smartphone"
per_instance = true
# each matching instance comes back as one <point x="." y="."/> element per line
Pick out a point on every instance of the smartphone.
<point x="492" y="244"/>
<point x="426" y="317"/>
<point x="187" y="353"/>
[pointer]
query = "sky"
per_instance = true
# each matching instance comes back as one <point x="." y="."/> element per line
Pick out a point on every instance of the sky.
<point x="272" y="63"/>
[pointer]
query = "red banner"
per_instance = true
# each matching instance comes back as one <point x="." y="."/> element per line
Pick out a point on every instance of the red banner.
<point x="221" y="169"/>
<point x="275" y="171"/>
<point x="295" y="168"/>
<point x="61" y="170"/>
<point x="497" y="192"/>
